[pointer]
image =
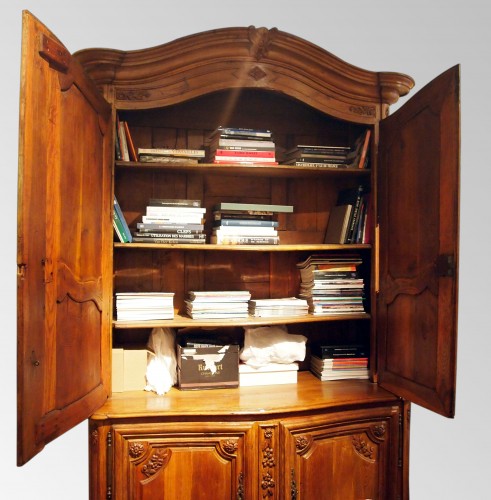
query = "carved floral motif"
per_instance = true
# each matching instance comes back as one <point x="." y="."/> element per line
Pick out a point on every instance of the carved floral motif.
<point x="132" y="95"/>
<point x="363" y="110"/>
<point x="363" y="448"/>
<point x="156" y="462"/>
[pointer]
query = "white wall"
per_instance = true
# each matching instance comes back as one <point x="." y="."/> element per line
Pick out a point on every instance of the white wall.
<point x="450" y="459"/>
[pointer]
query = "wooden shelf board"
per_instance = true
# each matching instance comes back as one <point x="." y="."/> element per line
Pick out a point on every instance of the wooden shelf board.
<point x="184" y="321"/>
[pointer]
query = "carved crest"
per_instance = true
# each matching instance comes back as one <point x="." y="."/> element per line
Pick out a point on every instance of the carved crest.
<point x="261" y="39"/>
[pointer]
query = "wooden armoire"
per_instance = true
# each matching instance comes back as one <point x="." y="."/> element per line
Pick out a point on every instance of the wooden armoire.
<point x="344" y="439"/>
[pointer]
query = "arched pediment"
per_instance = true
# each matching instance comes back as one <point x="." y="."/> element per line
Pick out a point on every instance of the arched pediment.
<point x="229" y="58"/>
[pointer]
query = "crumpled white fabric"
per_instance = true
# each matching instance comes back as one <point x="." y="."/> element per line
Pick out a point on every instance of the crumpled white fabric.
<point x="271" y="344"/>
<point x="162" y="365"/>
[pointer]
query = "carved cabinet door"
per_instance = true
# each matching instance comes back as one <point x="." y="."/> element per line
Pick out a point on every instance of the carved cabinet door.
<point x="347" y="456"/>
<point x="183" y="461"/>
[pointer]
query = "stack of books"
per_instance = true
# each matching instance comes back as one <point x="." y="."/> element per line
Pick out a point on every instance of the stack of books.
<point x="169" y="220"/>
<point x="247" y="223"/>
<point x="169" y="155"/>
<point x="331" y="284"/>
<point x="355" y="156"/>
<point x="289" y="306"/>
<point x="144" y="306"/>
<point x="241" y="145"/>
<point x="337" y="362"/>
<point x="217" y="304"/>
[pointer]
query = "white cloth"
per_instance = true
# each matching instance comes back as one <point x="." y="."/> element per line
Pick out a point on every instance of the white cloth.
<point x="272" y="344"/>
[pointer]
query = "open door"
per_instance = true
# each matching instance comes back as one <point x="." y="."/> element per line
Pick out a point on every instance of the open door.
<point x="64" y="243"/>
<point x="418" y="202"/>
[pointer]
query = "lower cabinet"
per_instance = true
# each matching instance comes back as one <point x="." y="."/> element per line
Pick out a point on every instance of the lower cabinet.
<point x="341" y="455"/>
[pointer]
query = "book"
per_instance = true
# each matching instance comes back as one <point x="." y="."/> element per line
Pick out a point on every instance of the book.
<point x="241" y="131"/>
<point x="221" y="144"/>
<point x="244" y="161"/>
<point x="129" y="141"/>
<point x="327" y="351"/>
<point x="246" y="230"/>
<point x="183" y="152"/>
<point x="120" y="224"/>
<point x="269" y="374"/>
<point x="168" y="160"/>
<point x="362" y="162"/>
<point x="221" y="222"/>
<point x="173" y="219"/>
<point x="253" y="206"/>
<point x="167" y="241"/>
<point x="171" y="235"/>
<point x="173" y="202"/>
<point x="153" y="210"/>
<point x="337" y="226"/>
<point x="259" y="154"/>
<point x="125" y="155"/>
<point x="170" y="228"/>
<point x="230" y="239"/>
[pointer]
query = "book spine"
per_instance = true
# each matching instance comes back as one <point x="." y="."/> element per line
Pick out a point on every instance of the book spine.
<point x="129" y="141"/>
<point x="245" y="230"/>
<point x="169" y="228"/>
<point x="245" y="222"/>
<point x="242" y="144"/>
<point x="254" y="207"/>
<point x="244" y="131"/>
<point x="198" y="153"/>
<point x="183" y="236"/>
<point x="245" y="158"/>
<point x="245" y="240"/>
<point x="158" y="210"/>
<point x="120" y="216"/>
<point x="317" y="164"/>
<point x="167" y="241"/>
<point x="169" y="202"/>
<point x="245" y="154"/>
<point x="250" y="161"/>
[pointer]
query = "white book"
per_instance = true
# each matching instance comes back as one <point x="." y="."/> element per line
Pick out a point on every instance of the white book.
<point x="270" y="374"/>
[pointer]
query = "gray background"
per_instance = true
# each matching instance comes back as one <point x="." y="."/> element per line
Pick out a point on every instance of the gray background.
<point x="450" y="459"/>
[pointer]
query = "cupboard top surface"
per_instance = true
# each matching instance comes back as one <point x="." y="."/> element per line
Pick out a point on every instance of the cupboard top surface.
<point x="308" y="395"/>
<point x="244" y="57"/>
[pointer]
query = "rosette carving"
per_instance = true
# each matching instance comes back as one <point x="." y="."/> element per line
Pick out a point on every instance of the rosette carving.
<point x="230" y="446"/>
<point x="136" y="450"/>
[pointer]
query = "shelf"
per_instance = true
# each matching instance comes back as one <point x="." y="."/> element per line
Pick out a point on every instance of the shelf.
<point x="307" y="247"/>
<point x="185" y="322"/>
<point x="307" y="394"/>
<point x="244" y="170"/>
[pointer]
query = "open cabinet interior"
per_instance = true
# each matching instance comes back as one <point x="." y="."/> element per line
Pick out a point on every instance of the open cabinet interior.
<point x="265" y="271"/>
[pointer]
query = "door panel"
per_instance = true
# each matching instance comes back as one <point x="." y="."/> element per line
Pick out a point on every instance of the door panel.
<point x="346" y="456"/>
<point x="64" y="238"/>
<point x="191" y="462"/>
<point x="418" y="223"/>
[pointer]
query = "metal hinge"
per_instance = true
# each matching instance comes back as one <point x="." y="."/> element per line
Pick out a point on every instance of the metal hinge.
<point x="109" y="466"/>
<point x="445" y="265"/>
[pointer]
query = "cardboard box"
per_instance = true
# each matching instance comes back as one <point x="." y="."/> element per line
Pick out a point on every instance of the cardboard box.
<point x="270" y="374"/>
<point x="208" y="367"/>
<point x="129" y="368"/>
